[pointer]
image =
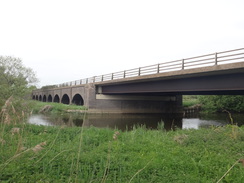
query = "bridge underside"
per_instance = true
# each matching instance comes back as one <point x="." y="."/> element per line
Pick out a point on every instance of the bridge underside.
<point x="226" y="84"/>
<point x="135" y="104"/>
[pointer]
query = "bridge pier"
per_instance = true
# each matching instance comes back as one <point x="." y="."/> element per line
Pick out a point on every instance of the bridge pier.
<point x="131" y="103"/>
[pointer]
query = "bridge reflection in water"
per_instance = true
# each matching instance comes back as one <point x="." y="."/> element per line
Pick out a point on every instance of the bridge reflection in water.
<point x="128" y="121"/>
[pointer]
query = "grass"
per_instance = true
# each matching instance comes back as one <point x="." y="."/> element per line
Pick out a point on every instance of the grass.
<point x="30" y="153"/>
<point x="55" y="107"/>
<point x="190" y="100"/>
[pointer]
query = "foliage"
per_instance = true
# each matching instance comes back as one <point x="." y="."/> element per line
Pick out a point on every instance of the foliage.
<point x="15" y="79"/>
<point x="219" y="103"/>
<point x="37" y="106"/>
<point x="31" y="153"/>
<point x="190" y="100"/>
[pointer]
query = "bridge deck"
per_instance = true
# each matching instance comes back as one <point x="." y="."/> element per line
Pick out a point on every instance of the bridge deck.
<point x="226" y="61"/>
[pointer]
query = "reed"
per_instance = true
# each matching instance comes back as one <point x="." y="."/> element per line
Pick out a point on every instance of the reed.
<point x="77" y="154"/>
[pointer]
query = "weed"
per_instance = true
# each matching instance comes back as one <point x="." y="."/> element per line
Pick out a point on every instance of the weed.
<point x="54" y="154"/>
<point x="190" y="100"/>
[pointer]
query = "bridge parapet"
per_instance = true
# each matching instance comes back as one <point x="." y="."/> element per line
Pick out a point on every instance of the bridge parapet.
<point x="208" y="60"/>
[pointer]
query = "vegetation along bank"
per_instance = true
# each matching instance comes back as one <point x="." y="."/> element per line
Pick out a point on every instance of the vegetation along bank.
<point x="215" y="103"/>
<point x="32" y="153"/>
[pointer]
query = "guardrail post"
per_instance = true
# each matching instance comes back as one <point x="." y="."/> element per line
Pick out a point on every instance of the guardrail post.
<point x="158" y="68"/>
<point x="124" y="74"/>
<point x="216" y="59"/>
<point x="102" y="78"/>
<point x="183" y="64"/>
<point x="139" y="71"/>
<point x="112" y="77"/>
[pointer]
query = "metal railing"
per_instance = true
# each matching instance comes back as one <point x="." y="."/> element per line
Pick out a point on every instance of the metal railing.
<point x="220" y="58"/>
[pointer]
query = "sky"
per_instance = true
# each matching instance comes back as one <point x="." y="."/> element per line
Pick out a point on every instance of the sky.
<point x="67" y="40"/>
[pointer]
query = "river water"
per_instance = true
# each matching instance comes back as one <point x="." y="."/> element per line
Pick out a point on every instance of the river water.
<point x="128" y="121"/>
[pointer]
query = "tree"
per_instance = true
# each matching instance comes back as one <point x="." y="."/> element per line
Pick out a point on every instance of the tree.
<point x="219" y="103"/>
<point x="15" y="79"/>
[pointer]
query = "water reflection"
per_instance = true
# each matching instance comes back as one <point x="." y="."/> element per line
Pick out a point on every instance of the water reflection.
<point x="119" y="121"/>
<point x="39" y="119"/>
<point x="197" y="123"/>
<point x="128" y="121"/>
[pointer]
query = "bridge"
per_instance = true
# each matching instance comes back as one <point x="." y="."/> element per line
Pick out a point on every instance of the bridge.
<point x="156" y="88"/>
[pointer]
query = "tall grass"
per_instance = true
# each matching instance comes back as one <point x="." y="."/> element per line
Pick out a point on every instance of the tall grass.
<point x="190" y="100"/>
<point x="55" y="107"/>
<point x="57" y="154"/>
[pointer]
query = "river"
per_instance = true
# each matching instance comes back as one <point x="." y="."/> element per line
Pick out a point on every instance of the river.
<point x="128" y="121"/>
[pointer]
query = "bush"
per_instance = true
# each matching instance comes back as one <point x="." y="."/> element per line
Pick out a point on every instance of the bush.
<point x="218" y="103"/>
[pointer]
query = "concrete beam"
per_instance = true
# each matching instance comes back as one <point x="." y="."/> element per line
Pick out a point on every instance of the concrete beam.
<point x="133" y="97"/>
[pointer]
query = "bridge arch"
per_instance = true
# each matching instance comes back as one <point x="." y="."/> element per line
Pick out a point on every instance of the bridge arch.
<point x="36" y="97"/>
<point x="33" y="97"/>
<point x="56" y="99"/>
<point x="65" y="99"/>
<point x="49" y="98"/>
<point x="40" y="98"/>
<point x="44" y="98"/>
<point x="78" y="100"/>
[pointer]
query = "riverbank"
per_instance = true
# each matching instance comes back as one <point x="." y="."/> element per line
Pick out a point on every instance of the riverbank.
<point x="32" y="153"/>
<point x="52" y="107"/>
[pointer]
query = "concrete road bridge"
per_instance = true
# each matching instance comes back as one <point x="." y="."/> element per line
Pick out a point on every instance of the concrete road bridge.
<point x="156" y="88"/>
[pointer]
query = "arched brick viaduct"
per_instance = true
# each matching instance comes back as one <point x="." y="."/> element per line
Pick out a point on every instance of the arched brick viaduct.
<point x="70" y="95"/>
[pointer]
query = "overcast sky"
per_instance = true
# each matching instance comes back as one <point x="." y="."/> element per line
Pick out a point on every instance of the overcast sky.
<point x="66" y="40"/>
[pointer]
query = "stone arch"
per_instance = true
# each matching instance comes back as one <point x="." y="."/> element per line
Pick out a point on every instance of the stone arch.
<point x="49" y="98"/>
<point x="56" y="99"/>
<point x="65" y="99"/>
<point x="44" y="98"/>
<point x="36" y="97"/>
<point x="40" y="98"/>
<point x="33" y="97"/>
<point x="78" y="100"/>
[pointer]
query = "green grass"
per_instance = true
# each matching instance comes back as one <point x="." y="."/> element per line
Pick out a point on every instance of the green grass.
<point x="56" y="107"/>
<point x="190" y="100"/>
<point x="103" y="155"/>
